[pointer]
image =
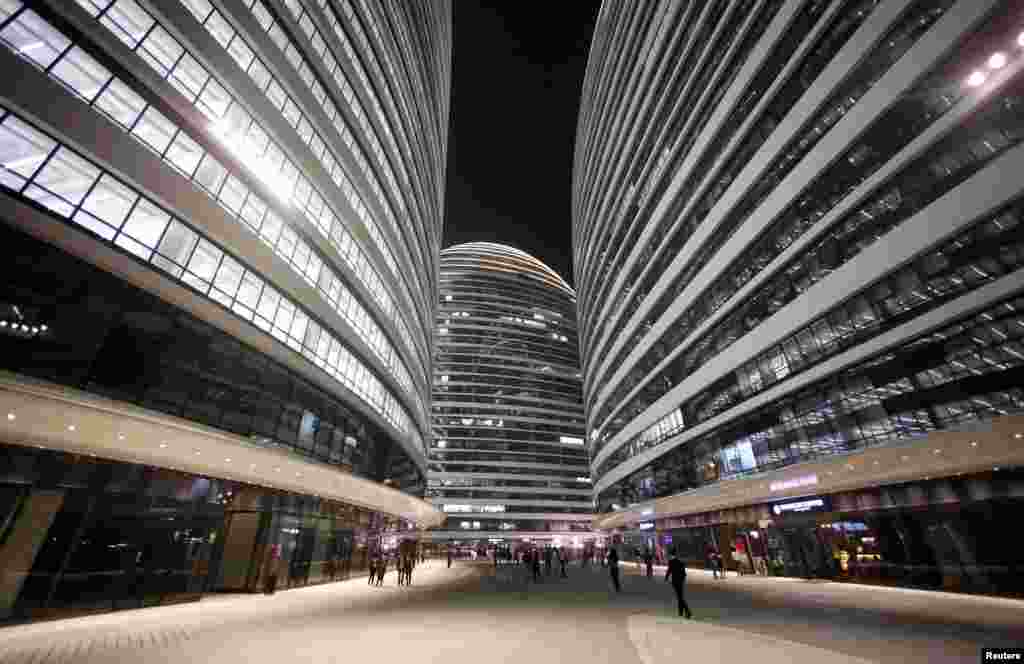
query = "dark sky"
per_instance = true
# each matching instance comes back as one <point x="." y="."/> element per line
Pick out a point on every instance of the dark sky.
<point x="517" y="71"/>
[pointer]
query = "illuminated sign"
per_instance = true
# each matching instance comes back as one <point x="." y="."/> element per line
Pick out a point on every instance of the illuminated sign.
<point x="647" y="526"/>
<point x="785" y="485"/>
<point x="799" y="506"/>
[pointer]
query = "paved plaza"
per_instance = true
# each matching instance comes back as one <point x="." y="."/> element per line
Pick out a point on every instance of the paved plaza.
<point x="472" y="613"/>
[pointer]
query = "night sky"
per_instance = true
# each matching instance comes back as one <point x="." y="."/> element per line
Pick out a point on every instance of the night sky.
<point x="517" y="72"/>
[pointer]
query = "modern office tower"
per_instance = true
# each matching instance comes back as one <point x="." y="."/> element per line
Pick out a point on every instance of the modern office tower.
<point x="221" y="225"/>
<point x="797" y="239"/>
<point x="507" y="462"/>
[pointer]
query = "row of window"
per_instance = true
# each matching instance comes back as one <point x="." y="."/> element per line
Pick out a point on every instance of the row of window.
<point x="969" y="370"/>
<point x="989" y="132"/>
<point x="683" y="114"/>
<point x="245" y="56"/>
<point x="908" y="117"/>
<point x="241" y="133"/>
<point x="110" y="338"/>
<point x="207" y="15"/>
<point x="985" y="252"/>
<point x="99" y="88"/>
<point x="654" y="261"/>
<point x="70" y="186"/>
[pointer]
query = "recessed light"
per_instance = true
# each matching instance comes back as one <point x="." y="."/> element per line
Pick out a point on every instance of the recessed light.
<point x="1018" y="436"/>
<point x="163" y="445"/>
<point x="876" y="462"/>
<point x="974" y="443"/>
<point x="976" y="79"/>
<point x="198" y="452"/>
<point x="936" y="451"/>
<point x="120" y="436"/>
<point x="904" y="458"/>
<point x="71" y="427"/>
<point x="996" y="468"/>
<point x="997" y="61"/>
<point x="227" y="460"/>
<point x="11" y="416"/>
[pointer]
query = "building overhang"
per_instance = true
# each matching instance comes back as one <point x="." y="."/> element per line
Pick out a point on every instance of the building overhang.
<point x="40" y="414"/>
<point x="981" y="446"/>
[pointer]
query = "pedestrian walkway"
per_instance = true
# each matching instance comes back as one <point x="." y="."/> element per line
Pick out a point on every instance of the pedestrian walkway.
<point x="474" y="611"/>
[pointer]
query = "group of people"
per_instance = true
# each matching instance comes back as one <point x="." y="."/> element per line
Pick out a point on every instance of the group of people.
<point x="403" y="563"/>
<point x="549" y="557"/>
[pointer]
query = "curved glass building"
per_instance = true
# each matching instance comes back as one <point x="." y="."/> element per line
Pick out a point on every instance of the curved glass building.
<point x="797" y="239"/>
<point x="508" y="461"/>
<point x="221" y="224"/>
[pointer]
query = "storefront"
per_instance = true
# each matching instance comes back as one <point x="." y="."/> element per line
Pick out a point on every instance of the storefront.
<point x="80" y="535"/>
<point x="942" y="534"/>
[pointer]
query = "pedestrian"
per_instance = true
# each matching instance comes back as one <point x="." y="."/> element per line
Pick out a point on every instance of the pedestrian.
<point x="649" y="561"/>
<point x="449" y="558"/>
<point x="382" y="568"/>
<point x="613" y="568"/>
<point x="676" y="575"/>
<point x="563" y="559"/>
<point x="408" y="572"/>
<point x="535" y="559"/>
<point x="373" y="571"/>
<point x="547" y="561"/>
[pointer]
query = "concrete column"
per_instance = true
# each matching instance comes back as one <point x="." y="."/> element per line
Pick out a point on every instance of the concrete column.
<point x="18" y="553"/>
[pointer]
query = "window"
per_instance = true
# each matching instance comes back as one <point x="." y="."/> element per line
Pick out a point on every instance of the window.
<point x="82" y="74"/>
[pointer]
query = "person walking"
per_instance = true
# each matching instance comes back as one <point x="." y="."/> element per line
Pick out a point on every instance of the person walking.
<point x="676" y="575"/>
<point x="649" y="562"/>
<point x="535" y="560"/>
<point x="382" y="568"/>
<point x="563" y="559"/>
<point x="613" y="568"/>
<point x="410" y="564"/>
<point x="449" y="558"/>
<point x="373" y="571"/>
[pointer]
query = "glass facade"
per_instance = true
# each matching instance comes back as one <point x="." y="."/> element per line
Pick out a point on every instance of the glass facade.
<point x="228" y="214"/>
<point x="812" y="217"/>
<point x="508" y="454"/>
<point x="83" y="535"/>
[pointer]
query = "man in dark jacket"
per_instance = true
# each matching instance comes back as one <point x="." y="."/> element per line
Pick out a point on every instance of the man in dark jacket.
<point x="613" y="568"/>
<point x="676" y="575"/>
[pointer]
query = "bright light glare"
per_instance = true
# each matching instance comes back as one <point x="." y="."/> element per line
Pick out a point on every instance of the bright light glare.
<point x="241" y="148"/>
<point x="997" y="61"/>
<point x="975" y="79"/>
<point x="1020" y="40"/>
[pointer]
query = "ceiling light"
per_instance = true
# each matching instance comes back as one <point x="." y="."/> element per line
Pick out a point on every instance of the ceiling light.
<point x="163" y="445"/>
<point x="1018" y="436"/>
<point x="120" y="436"/>
<point x="976" y="79"/>
<point x="71" y="427"/>
<point x="904" y="458"/>
<point x="936" y="451"/>
<point x="974" y="443"/>
<point x="11" y="416"/>
<point x="3" y="323"/>
<point x="43" y="328"/>
<point x="876" y="462"/>
<point x="997" y="60"/>
<point x="277" y="469"/>
<point x="1020" y="39"/>
<point x="198" y="452"/>
<point x="996" y="468"/>
<point x="227" y="460"/>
